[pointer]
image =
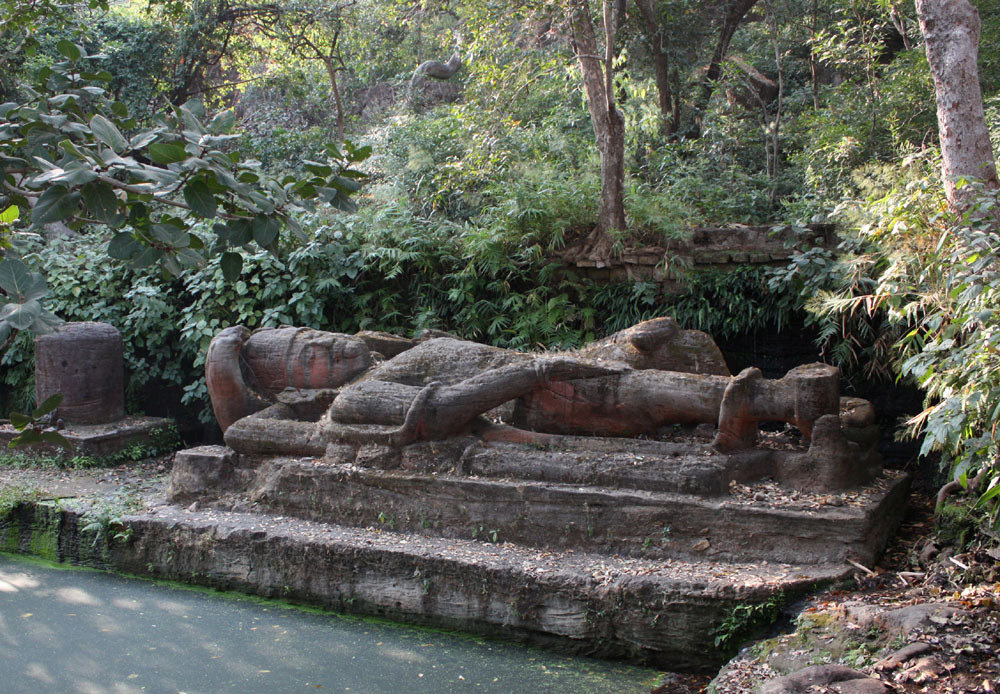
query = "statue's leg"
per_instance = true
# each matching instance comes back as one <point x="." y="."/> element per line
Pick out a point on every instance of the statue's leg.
<point x="737" y="425"/>
<point x="452" y="409"/>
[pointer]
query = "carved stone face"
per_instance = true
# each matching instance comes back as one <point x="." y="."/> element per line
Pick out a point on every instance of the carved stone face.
<point x="302" y="358"/>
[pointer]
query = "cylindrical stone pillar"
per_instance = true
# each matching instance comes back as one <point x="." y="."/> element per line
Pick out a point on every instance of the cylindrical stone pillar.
<point x="84" y="362"/>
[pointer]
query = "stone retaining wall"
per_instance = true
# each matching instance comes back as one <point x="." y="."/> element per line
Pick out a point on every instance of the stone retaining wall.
<point x="705" y="249"/>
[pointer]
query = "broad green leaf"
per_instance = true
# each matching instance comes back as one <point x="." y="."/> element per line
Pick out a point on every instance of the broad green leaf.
<point x="169" y="235"/>
<point x="124" y="246"/>
<point x="232" y="266"/>
<point x="237" y="232"/>
<point x="72" y="150"/>
<point x="55" y="121"/>
<point x="102" y="203"/>
<point x="22" y="316"/>
<point x="223" y="122"/>
<point x="171" y="264"/>
<point x="191" y="112"/>
<point x="75" y="176"/>
<point x="146" y="257"/>
<point x="106" y="132"/>
<point x="144" y="138"/>
<point x="265" y="230"/>
<point x="25" y="438"/>
<point x="200" y="198"/>
<point x="190" y="258"/>
<point x="317" y="168"/>
<point x="54" y="438"/>
<point x="346" y="184"/>
<point x="19" y="420"/>
<point x="344" y="204"/>
<point x="164" y="153"/>
<point x="51" y="403"/>
<point x="360" y="154"/>
<point x="296" y="229"/>
<point x="55" y="204"/>
<point x="10" y="215"/>
<point x="18" y="282"/>
<point x="69" y="49"/>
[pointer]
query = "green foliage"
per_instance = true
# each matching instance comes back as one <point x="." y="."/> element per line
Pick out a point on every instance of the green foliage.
<point x="106" y="519"/>
<point x="917" y="291"/>
<point x="161" y="441"/>
<point x="34" y="427"/>
<point x="21" y="300"/>
<point x="13" y="495"/>
<point x="745" y="619"/>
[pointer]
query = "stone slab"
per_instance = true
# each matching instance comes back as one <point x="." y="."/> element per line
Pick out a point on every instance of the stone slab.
<point x="559" y="516"/>
<point x="661" y="612"/>
<point x="96" y="439"/>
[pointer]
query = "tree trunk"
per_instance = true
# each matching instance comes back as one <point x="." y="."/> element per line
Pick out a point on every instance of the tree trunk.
<point x="736" y="10"/>
<point x="608" y="122"/>
<point x="951" y="33"/>
<point x="668" y="108"/>
<point x="331" y="70"/>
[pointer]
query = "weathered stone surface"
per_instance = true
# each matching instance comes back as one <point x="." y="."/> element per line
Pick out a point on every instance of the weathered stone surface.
<point x="198" y="469"/>
<point x="97" y="439"/>
<point x="902" y="621"/>
<point x="657" y="612"/>
<point x="441" y="387"/>
<point x="831" y="678"/>
<point x="409" y="496"/>
<point x="84" y="362"/>
<point x="661" y="344"/>
<point x="245" y="371"/>
<point x="386" y="344"/>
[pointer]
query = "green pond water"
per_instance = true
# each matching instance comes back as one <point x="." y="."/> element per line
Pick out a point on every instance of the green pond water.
<point x="86" y="631"/>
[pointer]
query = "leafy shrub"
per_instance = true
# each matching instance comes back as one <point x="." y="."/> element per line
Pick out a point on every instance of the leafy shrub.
<point x="916" y="292"/>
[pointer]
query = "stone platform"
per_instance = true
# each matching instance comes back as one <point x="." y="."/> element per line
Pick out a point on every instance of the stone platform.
<point x="95" y="439"/>
<point x="662" y="612"/>
<point x="647" y="572"/>
<point x="631" y="521"/>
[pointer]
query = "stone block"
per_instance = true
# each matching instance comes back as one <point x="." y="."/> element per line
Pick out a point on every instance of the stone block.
<point x="197" y="472"/>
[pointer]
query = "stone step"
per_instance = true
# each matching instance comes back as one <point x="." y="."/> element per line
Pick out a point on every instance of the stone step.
<point x="747" y="523"/>
<point x="664" y="612"/>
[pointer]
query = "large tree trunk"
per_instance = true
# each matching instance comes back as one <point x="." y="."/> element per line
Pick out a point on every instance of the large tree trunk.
<point x="609" y="124"/>
<point x="951" y="33"/>
<point x="736" y="10"/>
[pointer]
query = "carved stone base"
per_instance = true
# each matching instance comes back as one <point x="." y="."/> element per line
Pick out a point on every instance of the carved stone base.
<point x="641" y="498"/>
<point x="95" y="439"/>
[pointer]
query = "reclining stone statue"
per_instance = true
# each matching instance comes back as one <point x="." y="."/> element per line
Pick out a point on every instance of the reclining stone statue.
<point x="296" y="391"/>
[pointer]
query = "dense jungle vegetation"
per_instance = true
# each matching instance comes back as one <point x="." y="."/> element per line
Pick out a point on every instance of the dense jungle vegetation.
<point x="176" y="166"/>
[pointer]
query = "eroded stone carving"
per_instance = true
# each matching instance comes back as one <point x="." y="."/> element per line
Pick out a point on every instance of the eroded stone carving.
<point x="294" y="391"/>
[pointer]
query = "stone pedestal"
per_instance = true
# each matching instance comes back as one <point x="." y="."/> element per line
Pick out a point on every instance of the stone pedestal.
<point x="84" y="362"/>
